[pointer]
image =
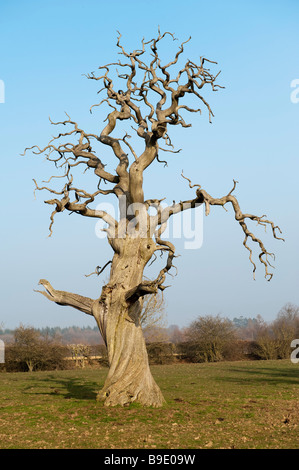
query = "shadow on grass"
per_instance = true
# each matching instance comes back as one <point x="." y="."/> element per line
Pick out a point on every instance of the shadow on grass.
<point x="68" y="387"/>
<point x="268" y="374"/>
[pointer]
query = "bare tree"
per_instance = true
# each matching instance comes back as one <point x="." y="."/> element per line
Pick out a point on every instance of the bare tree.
<point x="285" y="328"/>
<point x="153" y="318"/>
<point x="80" y="353"/>
<point x="151" y="97"/>
<point x="211" y="335"/>
<point x="35" y="351"/>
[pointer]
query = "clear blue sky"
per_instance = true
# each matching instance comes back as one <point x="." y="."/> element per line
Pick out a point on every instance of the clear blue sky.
<point x="47" y="46"/>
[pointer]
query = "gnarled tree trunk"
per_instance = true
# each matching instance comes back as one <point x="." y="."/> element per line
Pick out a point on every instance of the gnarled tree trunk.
<point x="129" y="378"/>
<point x="118" y="315"/>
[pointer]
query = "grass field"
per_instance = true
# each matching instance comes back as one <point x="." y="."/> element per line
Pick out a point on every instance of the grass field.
<point x="217" y="405"/>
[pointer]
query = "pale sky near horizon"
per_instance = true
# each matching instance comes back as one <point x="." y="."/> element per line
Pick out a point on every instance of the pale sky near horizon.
<point x="47" y="47"/>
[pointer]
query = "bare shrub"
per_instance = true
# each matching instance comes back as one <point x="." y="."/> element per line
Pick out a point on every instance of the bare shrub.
<point x="31" y="351"/>
<point x="80" y="354"/>
<point x="285" y="328"/>
<point x="161" y="353"/>
<point x="273" y="340"/>
<point x="209" y="337"/>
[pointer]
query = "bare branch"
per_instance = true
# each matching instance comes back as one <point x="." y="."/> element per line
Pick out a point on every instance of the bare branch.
<point x="76" y="206"/>
<point x="66" y="298"/>
<point x="99" y="270"/>
<point x="264" y="255"/>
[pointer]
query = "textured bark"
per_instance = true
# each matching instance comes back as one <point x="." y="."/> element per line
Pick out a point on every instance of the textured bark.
<point x="129" y="377"/>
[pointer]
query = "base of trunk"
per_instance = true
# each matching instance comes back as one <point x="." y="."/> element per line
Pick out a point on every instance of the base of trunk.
<point x="129" y="379"/>
<point x="121" y="393"/>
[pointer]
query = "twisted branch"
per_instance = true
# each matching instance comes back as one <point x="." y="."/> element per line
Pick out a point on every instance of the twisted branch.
<point x="202" y="197"/>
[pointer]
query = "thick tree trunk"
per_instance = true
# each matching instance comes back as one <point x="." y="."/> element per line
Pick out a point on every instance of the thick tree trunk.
<point x="129" y="378"/>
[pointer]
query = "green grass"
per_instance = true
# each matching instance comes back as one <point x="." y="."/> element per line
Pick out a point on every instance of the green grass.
<point x="221" y="405"/>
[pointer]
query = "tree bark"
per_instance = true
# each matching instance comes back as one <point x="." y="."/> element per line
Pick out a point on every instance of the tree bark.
<point x="118" y="316"/>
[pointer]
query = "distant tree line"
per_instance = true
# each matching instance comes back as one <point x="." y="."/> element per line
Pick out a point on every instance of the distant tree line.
<point x="65" y="335"/>
<point x="213" y="338"/>
<point x="207" y="339"/>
